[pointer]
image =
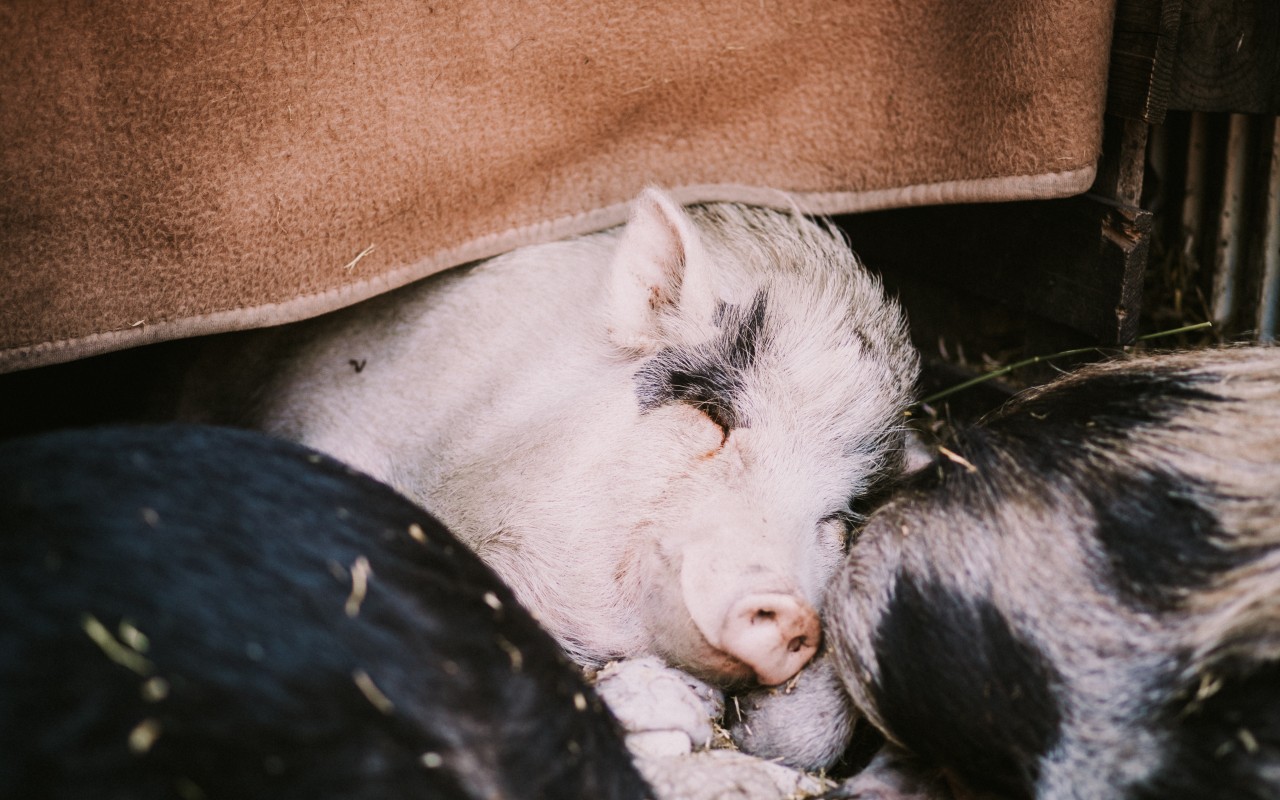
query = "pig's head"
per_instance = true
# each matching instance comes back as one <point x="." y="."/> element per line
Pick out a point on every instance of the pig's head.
<point x="1086" y="605"/>
<point x="768" y="374"/>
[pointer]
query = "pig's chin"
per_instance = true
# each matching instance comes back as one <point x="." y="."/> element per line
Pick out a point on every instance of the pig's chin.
<point x="724" y="671"/>
<point x="705" y="662"/>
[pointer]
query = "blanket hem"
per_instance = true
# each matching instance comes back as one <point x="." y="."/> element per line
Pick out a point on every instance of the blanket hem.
<point x="1002" y="189"/>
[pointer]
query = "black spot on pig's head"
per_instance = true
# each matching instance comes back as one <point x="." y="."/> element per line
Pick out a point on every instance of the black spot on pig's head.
<point x="1153" y="526"/>
<point x="962" y="689"/>
<point x="1159" y="540"/>
<point x="711" y="376"/>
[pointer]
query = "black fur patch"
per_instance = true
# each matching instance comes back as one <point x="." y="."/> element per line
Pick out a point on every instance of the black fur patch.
<point x="1158" y="540"/>
<point x="1113" y="402"/>
<point x="1154" y="526"/>
<point x="963" y="690"/>
<point x="235" y="555"/>
<point x="709" y="377"/>
<point x="1220" y="743"/>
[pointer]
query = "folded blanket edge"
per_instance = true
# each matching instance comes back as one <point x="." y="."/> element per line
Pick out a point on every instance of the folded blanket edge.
<point x="1001" y="189"/>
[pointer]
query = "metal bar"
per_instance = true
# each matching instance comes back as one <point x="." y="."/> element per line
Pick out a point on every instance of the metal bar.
<point x="1226" y="263"/>
<point x="1269" y="296"/>
<point x="1193" y="201"/>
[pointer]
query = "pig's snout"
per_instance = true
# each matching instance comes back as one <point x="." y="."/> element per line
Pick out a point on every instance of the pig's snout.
<point x="749" y="611"/>
<point x="774" y="634"/>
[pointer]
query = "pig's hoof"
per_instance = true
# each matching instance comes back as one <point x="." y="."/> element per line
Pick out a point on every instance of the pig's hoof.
<point x="805" y="724"/>
<point x="650" y="698"/>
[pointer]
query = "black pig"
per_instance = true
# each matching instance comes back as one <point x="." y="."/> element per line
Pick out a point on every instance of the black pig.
<point x="202" y="613"/>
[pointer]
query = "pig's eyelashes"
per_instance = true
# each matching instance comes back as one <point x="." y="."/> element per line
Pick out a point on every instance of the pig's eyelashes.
<point x="696" y="391"/>
<point x="715" y="413"/>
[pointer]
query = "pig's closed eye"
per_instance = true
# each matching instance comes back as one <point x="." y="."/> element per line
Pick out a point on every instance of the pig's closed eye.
<point x="702" y="393"/>
<point x="716" y="414"/>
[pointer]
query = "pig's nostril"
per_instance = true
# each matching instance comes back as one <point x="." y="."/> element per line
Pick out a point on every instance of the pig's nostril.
<point x="774" y="633"/>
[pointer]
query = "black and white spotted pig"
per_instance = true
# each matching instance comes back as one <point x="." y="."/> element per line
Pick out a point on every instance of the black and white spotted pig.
<point x="204" y="613"/>
<point x="653" y="434"/>
<point x="1086" y="602"/>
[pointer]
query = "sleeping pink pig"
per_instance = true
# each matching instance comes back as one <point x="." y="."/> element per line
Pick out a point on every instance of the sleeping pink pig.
<point x="654" y="434"/>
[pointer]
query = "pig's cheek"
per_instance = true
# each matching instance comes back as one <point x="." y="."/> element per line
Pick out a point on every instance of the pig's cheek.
<point x="655" y="562"/>
<point x="652" y="565"/>
<point x="855" y="606"/>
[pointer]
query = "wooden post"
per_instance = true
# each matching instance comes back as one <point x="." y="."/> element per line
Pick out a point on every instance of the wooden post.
<point x="1228" y="57"/>
<point x="1142" y="52"/>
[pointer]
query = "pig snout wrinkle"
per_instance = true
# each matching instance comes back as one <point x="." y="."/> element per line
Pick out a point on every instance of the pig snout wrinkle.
<point x="774" y="634"/>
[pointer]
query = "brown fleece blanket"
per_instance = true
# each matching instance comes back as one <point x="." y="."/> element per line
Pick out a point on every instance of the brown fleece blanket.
<point x="173" y="168"/>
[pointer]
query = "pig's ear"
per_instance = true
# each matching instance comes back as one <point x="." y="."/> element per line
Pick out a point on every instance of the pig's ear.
<point x="659" y="268"/>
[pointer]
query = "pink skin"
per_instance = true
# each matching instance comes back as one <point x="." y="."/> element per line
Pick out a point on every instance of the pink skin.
<point x="774" y="634"/>
<point x="740" y="627"/>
